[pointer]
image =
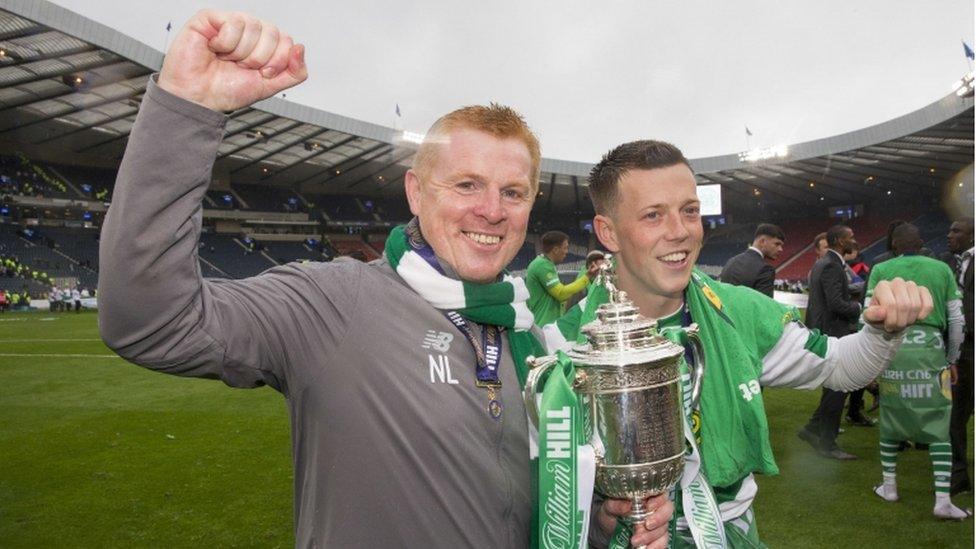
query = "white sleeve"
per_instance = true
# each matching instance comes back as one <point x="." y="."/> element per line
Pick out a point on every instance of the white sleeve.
<point x="957" y="323"/>
<point x="806" y="359"/>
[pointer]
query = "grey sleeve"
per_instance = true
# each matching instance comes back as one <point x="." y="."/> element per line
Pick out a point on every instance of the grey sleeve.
<point x="957" y="325"/>
<point x="156" y="310"/>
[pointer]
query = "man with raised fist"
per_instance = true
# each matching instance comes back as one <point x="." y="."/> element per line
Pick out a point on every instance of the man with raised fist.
<point x="402" y="377"/>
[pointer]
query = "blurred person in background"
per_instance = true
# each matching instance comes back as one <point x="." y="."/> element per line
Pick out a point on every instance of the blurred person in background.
<point x="546" y="293"/>
<point x="961" y="247"/>
<point x="834" y="310"/>
<point x="916" y="388"/>
<point x="751" y="268"/>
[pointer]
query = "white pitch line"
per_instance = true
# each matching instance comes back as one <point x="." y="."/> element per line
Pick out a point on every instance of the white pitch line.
<point x="38" y="340"/>
<point x="47" y="340"/>
<point x="54" y="355"/>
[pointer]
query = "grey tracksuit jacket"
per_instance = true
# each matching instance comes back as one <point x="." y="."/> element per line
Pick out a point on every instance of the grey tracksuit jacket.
<point x="391" y="439"/>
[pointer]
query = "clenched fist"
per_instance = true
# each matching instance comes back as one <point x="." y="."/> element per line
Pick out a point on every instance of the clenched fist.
<point x="228" y="60"/>
<point x="897" y="304"/>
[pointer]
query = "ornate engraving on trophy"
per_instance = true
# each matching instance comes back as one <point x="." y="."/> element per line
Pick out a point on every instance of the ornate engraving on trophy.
<point x="628" y="381"/>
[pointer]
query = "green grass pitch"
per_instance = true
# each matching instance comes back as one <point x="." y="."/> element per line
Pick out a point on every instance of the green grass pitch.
<point x="95" y="452"/>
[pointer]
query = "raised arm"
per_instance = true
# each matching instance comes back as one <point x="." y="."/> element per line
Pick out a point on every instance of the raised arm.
<point x="561" y="292"/>
<point x="154" y="307"/>
<point x="805" y="359"/>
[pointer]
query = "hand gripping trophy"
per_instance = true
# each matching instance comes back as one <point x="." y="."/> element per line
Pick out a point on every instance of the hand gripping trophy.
<point x="628" y="383"/>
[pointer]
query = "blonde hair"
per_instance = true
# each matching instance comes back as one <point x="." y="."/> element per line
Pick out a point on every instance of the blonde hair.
<point x="496" y="120"/>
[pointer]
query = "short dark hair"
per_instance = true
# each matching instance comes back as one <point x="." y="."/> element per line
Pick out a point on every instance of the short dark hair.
<point x="636" y="155"/>
<point x="835" y="233"/>
<point x="594" y="255"/>
<point x="553" y="239"/>
<point x="768" y="229"/>
<point x="818" y="238"/>
<point x="906" y="238"/>
<point x="891" y="229"/>
<point x="966" y="222"/>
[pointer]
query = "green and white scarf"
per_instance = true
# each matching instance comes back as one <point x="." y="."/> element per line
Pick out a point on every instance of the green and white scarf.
<point x="562" y="496"/>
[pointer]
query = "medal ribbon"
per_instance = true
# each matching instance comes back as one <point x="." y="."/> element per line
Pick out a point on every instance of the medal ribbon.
<point x="488" y="351"/>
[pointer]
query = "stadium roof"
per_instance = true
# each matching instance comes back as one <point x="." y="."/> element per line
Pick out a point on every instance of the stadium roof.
<point x="72" y="87"/>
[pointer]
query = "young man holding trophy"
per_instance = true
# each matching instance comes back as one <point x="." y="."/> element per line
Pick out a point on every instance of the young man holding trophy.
<point x="403" y="377"/>
<point x="647" y="215"/>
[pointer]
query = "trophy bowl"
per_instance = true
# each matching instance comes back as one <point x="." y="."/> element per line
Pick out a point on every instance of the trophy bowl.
<point x="628" y="380"/>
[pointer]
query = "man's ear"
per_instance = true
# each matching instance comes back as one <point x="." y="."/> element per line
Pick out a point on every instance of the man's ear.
<point x="605" y="232"/>
<point x="411" y="184"/>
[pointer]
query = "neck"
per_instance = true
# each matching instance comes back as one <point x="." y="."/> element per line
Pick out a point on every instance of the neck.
<point x="650" y="304"/>
<point x="550" y="257"/>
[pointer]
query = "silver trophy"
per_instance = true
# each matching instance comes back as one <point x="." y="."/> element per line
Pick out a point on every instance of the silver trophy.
<point x="628" y="381"/>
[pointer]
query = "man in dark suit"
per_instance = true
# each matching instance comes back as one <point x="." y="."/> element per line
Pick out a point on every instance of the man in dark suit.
<point x="961" y="245"/>
<point x="750" y="267"/>
<point x="834" y="311"/>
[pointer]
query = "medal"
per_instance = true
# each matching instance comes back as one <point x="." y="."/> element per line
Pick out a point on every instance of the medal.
<point x="488" y="353"/>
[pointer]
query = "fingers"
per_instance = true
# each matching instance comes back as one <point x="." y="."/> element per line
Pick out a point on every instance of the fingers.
<point x="278" y="61"/>
<point x="230" y="28"/>
<point x="878" y="312"/>
<point x="616" y="507"/>
<point x="296" y="72"/>
<point x="899" y="290"/>
<point x="898" y="303"/>
<point x="927" y="304"/>
<point x="264" y="48"/>
<point x="246" y="40"/>
<point x="249" y="37"/>
<point x="653" y="532"/>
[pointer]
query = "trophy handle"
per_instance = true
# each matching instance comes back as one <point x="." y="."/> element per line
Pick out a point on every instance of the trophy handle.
<point x="683" y="336"/>
<point x="698" y="370"/>
<point x="537" y="368"/>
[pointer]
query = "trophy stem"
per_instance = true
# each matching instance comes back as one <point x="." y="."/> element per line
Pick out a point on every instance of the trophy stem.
<point x="637" y="512"/>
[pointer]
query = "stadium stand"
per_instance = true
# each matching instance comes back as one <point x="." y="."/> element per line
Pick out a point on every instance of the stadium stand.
<point x="266" y="198"/>
<point x="286" y="252"/>
<point x="302" y="163"/>
<point x="347" y="208"/>
<point x="222" y="200"/>
<point x="229" y="255"/>
<point x="20" y="175"/>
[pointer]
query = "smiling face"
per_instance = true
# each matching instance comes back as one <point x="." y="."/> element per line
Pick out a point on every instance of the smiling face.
<point x="473" y="201"/>
<point x="654" y="227"/>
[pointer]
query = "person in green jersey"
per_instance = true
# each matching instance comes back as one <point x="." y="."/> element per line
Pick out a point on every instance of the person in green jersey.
<point x="546" y="293"/>
<point x="916" y="390"/>
<point x="647" y="216"/>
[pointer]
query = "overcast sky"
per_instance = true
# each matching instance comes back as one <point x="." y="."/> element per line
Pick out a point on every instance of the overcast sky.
<point x="590" y="75"/>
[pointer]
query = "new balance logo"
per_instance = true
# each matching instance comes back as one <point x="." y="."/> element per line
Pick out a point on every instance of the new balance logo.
<point x="439" y="341"/>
